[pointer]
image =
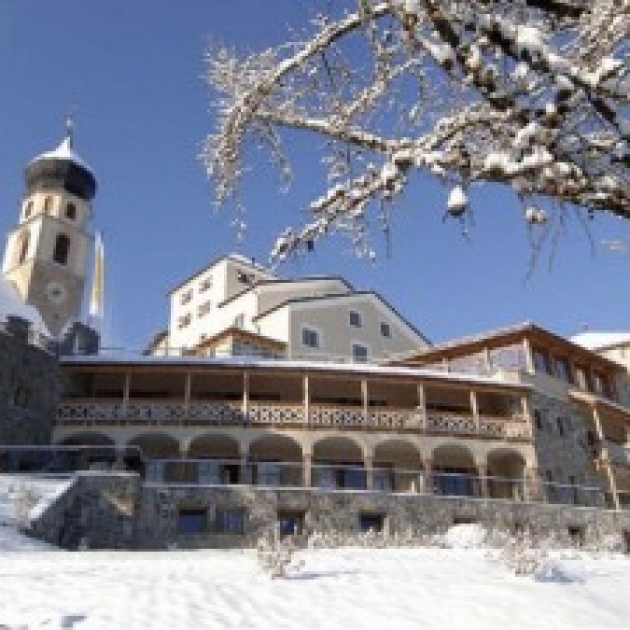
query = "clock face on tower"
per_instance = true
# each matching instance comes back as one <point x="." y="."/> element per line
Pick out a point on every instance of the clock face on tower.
<point x="56" y="293"/>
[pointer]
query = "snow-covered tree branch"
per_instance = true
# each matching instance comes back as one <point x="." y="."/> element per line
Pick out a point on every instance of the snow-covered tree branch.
<point x="531" y="94"/>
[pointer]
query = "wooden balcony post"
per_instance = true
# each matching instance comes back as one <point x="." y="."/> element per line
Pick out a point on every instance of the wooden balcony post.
<point x="365" y="397"/>
<point x="474" y="404"/>
<point x="422" y="407"/>
<point x="187" y="391"/>
<point x="126" y="391"/>
<point x="605" y="459"/>
<point x="306" y="400"/>
<point x="245" y="402"/>
<point x="529" y="359"/>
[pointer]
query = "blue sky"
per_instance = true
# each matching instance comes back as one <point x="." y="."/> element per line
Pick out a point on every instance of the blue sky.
<point x="132" y="71"/>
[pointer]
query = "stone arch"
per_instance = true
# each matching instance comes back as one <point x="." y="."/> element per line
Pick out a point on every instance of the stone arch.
<point x="506" y="471"/>
<point x="275" y="446"/>
<point x="338" y="463"/>
<point x="276" y="460"/>
<point x="397" y="466"/>
<point x="214" y="446"/>
<point x="454" y="470"/>
<point x="87" y="438"/>
<point x="156" y="445"/>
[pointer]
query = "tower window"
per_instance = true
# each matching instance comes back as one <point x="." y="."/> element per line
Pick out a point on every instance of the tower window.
<point x="62" y="249"/>
<point x="355" y="319"/>
<point x="48" y="204"/>
<point x="71" y="211"/>
<point x="28" y="209"/>
<point x="23" y="247"/>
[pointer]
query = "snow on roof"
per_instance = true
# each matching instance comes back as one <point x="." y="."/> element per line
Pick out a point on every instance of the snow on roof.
<point x="11" y="304"/>
<point x="294" y="365"/>
<point x="64" y="152"/>
<point x="600" y="340"/>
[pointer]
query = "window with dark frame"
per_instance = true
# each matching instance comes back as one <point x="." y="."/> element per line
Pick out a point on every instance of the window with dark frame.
<point x="71" y="211"/>
<point x="371" y="521"/>
<point x="310" y="338"/>
<point x="359" y="353"/>
<point x="230" y="521"/>
<point x="62" y="249"/>
<point x="385" y="330"/>
<point x="354" y="319"/>
<point x="192" y="520"/>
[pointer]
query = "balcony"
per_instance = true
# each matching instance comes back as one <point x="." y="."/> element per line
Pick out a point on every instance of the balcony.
<point x="103" y="413"/>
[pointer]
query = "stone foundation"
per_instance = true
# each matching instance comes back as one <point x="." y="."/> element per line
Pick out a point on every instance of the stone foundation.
<point x="110" y="511"/>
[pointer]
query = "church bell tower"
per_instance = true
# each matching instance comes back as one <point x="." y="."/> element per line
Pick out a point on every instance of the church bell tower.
<point x="47" y="253"/>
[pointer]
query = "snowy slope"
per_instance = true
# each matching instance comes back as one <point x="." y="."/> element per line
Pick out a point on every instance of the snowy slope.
<point x="334" y="589"/>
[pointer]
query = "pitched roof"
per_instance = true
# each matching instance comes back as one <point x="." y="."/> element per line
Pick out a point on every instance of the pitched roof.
<point x="354" y="294"/>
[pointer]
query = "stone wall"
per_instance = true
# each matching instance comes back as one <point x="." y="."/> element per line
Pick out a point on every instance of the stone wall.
<point x="97" y="511"/>
<point x="116" y="511"/>
<point x="29" y="387"/>
<point x="157" y="525"/>
<point x="565" y="454"/>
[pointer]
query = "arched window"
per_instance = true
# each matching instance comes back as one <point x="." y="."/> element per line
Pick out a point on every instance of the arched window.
<point x="23" y="243"/>
<point x="71" y="211"/>
<point x="62" y="249"/>
<point x="48" y="204"/>
<point x="28" y="208"/>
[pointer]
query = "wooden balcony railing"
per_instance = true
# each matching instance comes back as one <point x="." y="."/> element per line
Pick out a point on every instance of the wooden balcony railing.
<point x="230" y="413"/>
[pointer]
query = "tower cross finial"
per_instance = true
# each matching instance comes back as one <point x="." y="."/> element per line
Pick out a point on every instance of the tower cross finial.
<point x="70" y="128"/>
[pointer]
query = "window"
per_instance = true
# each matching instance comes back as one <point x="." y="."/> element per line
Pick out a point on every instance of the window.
<point x="184" y="321"/>
<point x="600" y="384"/>
<point x="186" y="297"/>
<point x="48" y="204"/>
<point x="538" y="419"/>
<point x="71" y="211"/>
<point x="576" y="535"/>
<point x="290" y="523"/>
<point x="359" y="353"/>
<point x="310" y="338"/>
<point x="230" y="521"/>
<point x="28" y="209"/>
<point x="62" y="249"/>
<point x="355" y="319"/>
<point x="245" y="278"/>
<point x="561" y="369"/>
<point x="204" y="309"/>
<point x="205" y="284"/>
<point x="385" y="330"/>
<point x="580" y="377"/>
<point x="192" y="521"/>
<point x="371" y="522"/>
<point x="540" y="361"/>
<point x="560" y="425"/>
<point x="23" y="245"/>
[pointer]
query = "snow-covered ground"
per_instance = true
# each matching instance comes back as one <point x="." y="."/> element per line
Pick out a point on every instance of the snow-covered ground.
<point x="339" y="588"/>
<point x="461" y="585"/>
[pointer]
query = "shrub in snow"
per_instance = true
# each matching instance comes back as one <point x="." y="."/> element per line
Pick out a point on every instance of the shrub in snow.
<point x="275" y="554"/>
<point x="522" y="557"/>
<point x="24" y="499"/>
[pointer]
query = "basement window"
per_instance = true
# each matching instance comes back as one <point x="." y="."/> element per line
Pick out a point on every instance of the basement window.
<point x="371" y="521"/>
<point x="576" y="535"/>
<point x="192" y="521"/>
<point x="231" y="521"/>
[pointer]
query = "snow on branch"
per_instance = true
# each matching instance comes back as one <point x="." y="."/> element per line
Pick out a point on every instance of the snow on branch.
<point x="533" y="95"/>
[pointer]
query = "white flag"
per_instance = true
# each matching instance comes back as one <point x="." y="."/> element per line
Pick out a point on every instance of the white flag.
<point x="97" y="297"/>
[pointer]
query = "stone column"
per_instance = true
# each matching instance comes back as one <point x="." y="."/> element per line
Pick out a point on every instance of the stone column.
<point x="368" y="462"/>
<point x="427" y="478"/>
<point x="243" y="473"/>
<point x="532" y="488"/>
<point x="307" y="468"/>
<point x="482" y="472"/>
